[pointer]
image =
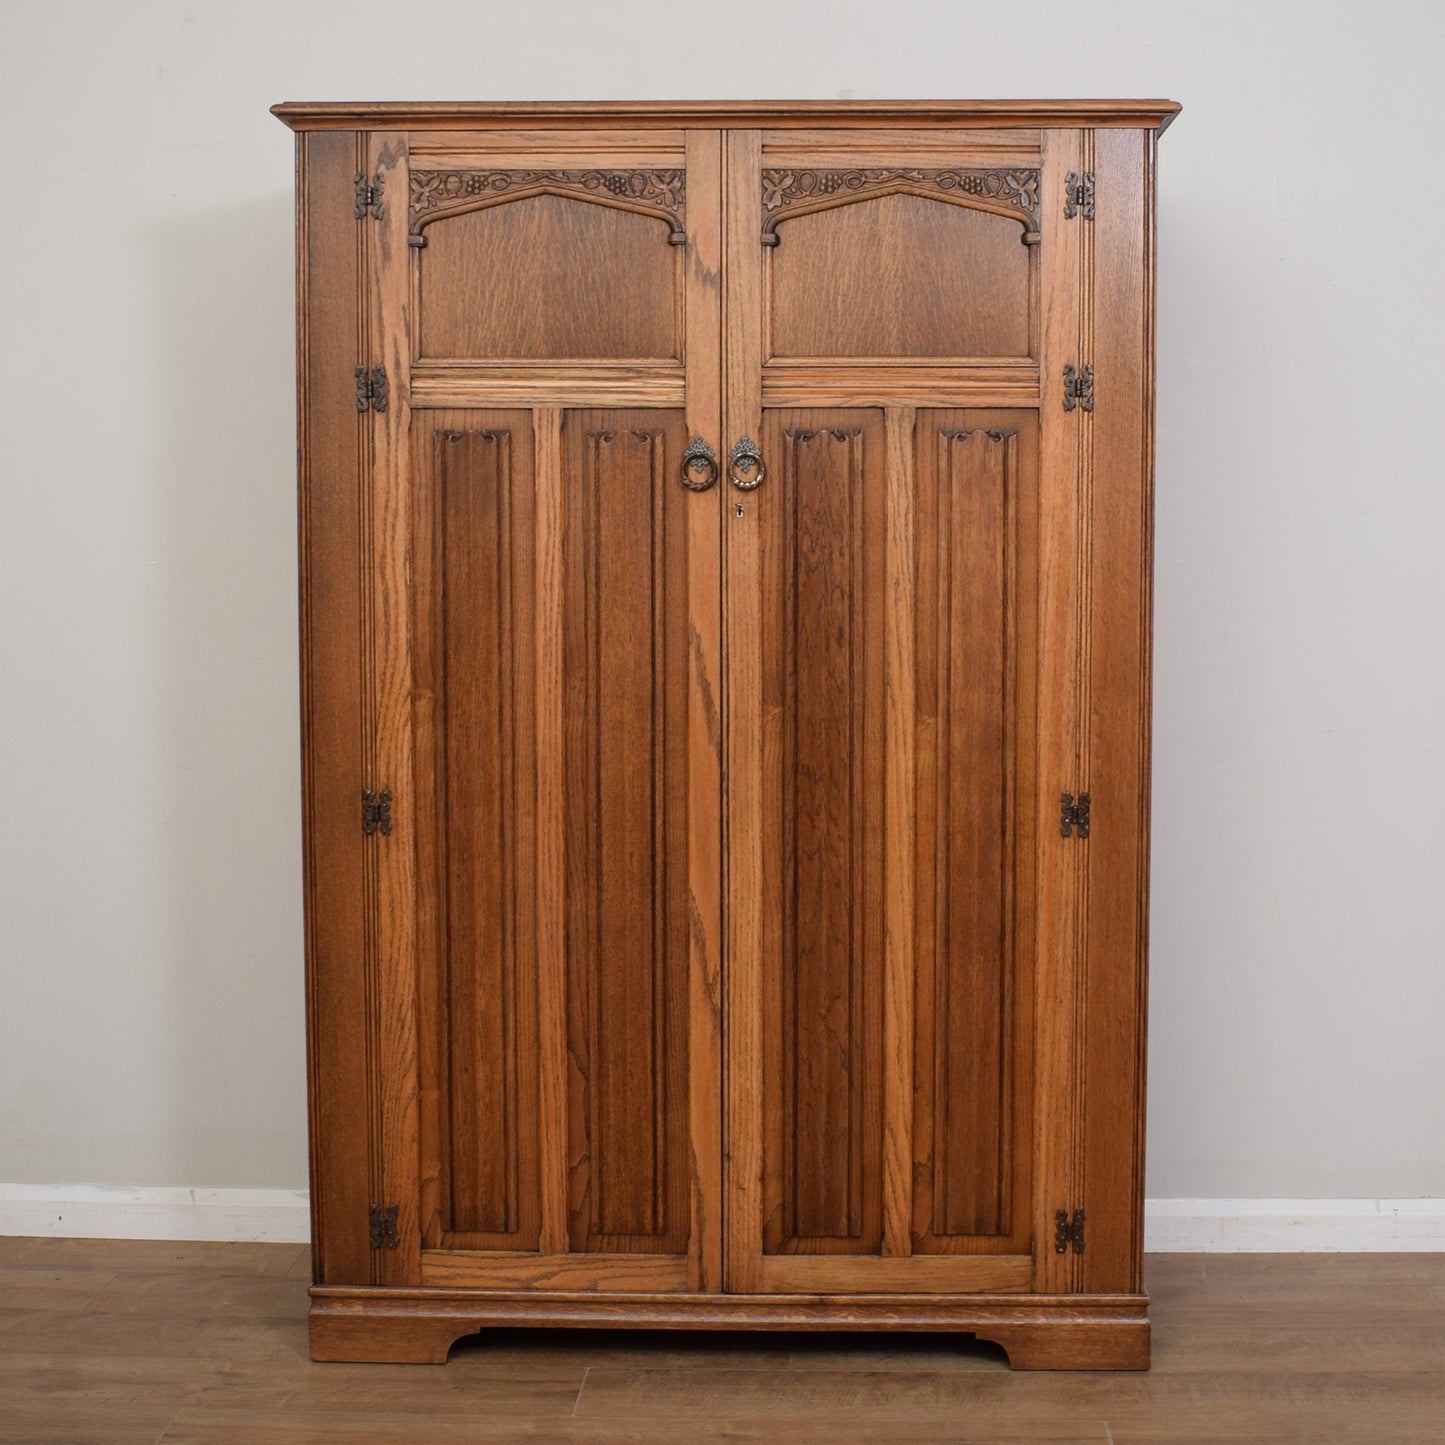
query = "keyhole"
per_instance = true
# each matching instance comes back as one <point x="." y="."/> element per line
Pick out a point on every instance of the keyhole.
<point x="740" y="509"/>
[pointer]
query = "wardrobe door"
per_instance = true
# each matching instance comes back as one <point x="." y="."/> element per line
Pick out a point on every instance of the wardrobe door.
<point x="889" y="829"/>
<point x="546" y="615"/>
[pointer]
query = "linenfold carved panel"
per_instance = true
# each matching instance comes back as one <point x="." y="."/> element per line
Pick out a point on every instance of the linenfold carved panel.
<point x="796" y="192"/>
<point x="625" y="661"/>
<point x="472" y="583"/>
<point x="435" y="194"/>
<point x="823" y="676"/>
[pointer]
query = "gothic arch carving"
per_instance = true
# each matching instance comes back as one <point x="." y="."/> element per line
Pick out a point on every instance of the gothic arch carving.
<point x="796" y="192"/>
<point x="438" y="194"/>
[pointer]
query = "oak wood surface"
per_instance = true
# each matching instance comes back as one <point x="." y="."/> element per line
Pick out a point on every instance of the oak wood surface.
<point x="1058" y="868"/>
<point x="349" y="115"/>
<point x="743" y="1116"/>
<point x="901" y="275"/>
<point x="548" y="277"/>
<point x="625" y="663"/>
<point x="136" y="1342"/>
<point x="705" y="721"/>
<point x="474" y="726"/>
<point x="724" y="938"/>
<point x="881" y="1139"/>
<point x="1117" y="738"/>
<point x="333" y="651"/>
<point x="388" y="721"/>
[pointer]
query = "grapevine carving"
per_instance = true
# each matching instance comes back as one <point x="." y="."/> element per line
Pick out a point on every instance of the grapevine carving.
<point x="435" y="194"/>
<point x="795" y="192"/>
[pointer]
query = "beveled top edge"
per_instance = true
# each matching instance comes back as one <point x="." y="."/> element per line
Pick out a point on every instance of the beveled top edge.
<point x="424" y="115"/>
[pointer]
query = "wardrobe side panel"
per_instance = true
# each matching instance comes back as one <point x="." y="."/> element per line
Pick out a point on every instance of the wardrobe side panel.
<point x="329" y="469"/>
<point x="1121" y="525"/>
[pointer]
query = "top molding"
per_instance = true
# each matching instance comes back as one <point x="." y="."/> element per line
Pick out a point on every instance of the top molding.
<point x="438" y="115"/>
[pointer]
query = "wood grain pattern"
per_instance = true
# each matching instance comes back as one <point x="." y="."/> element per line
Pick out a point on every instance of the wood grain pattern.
<point x="494" y="1269"/>
<point x="903" y="275"/>
<point x="438" y="115"/>
<point x="822" y="644"/>
<point x="612" y="142"/>
<point x="333" y="768"/>
<point x="1057" y="868"/>
<point x="840" y="1274"/>
<point x="899" y="381"/>
<point x="976" y="476"/>
<point x="977" y="659"/>
<point x="724" y="943"/>
<point x="864" y="145"/>
<point x="705" y="691"/>
<point x="472" y="585"/>
<point x="900" y="978"/>
<point x="578" y="383"/>
<point x="626" y="663"/>
<point x="744" y="1120"/>
<point x="1120" y="563"/>
<point x="551" y="863"/>
<point x="548" y="276"/>
<point x="1104" y="1332"/>
<point x="385" y="570"/>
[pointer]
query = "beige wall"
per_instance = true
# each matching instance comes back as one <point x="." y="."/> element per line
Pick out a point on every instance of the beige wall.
<point x="150" y="985"/>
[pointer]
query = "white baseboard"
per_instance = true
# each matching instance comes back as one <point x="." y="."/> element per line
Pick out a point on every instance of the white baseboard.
<point x="103" y="1211"/>
<point x="1229" y="1226"/>
<point x="280" y="1216"/>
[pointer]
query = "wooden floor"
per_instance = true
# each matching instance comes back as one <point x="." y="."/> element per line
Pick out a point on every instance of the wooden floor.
<point x="122" y="1342"/>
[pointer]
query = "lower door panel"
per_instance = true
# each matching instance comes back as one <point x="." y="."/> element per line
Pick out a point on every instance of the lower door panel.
<point x="556" y="588"/>
<point x="893" y="990"/>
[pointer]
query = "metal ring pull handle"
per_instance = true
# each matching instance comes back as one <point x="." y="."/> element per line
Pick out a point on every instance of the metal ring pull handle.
<point x="744" y="458"/>
<point x="699" y="466"/>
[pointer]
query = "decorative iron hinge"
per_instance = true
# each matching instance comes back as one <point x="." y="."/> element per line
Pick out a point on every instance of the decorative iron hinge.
<point x="1079" y="196"/>
<point x="375" y="811"/>
<point x="1073" y="815"/>
<point x="368" y="197"/>
<point x="383" y="1226"/>
<point x="1079" y="388"/>
<point x="1068" y="1231"/>
<point x="371" y="390"/>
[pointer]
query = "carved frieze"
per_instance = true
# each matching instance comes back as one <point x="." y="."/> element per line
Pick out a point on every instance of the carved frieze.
<point x="796" y="192"/>
<point x="435" y="194"/>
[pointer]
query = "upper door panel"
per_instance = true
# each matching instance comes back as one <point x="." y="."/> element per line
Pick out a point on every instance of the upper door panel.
<point x="870" y="258"/>
<point x="548" y="277"/>
<point x="564" y="248"/>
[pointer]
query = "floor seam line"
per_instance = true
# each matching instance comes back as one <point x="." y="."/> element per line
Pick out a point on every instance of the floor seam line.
<point x="582" y="1385"/>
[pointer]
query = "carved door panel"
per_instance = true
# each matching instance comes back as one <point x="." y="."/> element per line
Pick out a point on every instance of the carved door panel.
<point x="550" y="684"/>
<point x="887" y="815"/>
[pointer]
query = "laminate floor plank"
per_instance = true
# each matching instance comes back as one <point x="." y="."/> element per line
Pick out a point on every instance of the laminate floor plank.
<point x="55" y="1291"/>
<point x="196" y="1291"/>
<point x="543" y="1392"/>
<point x="208" y="1427"/>
<point x="73" y="1398"/>
<point x="181" y="1337"/>
<point x="124" y="1342"/>
<point x="148" y="1255"/>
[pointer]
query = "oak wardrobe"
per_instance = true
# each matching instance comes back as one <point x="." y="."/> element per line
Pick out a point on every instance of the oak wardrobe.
<point x="725" y="612"/>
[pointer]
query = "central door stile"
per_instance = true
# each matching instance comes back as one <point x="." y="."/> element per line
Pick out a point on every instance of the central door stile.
<point x="705" y="700"/>
<point x="744" y="1121"/>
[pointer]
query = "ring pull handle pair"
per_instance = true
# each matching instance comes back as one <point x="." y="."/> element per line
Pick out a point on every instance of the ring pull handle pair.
<point x="700" y="470"/>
